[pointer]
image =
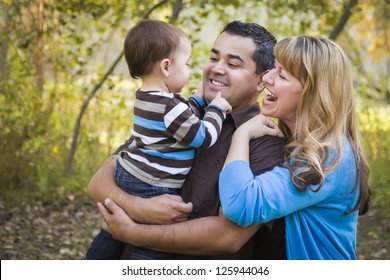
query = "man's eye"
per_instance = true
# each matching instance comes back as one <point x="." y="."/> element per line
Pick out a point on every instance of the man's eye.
<point x="213" y="59"/>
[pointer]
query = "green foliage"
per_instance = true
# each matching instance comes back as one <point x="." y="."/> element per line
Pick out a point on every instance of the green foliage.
<point x="375" y="127"/>
<point x="53" y="56"/>
<point x="47" y="53"/>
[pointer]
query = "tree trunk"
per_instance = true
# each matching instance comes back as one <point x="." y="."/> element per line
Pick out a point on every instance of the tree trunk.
<point x="347" y="12"/>
<point x="4" y="43"/>
<point x="176" y="8"/>
<point x="38" y="29"/>
<point x="76" y="130"/>
<point x="387" y="83"/>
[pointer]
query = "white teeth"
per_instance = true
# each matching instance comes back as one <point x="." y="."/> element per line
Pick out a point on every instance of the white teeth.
<point x="270" y="94"/>
<point x="271" y="97"/>
<point x="214" y="82"/>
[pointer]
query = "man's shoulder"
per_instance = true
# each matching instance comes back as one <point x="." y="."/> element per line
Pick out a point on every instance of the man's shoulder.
<point x="267" y="141"/>
<point x="265" y="153"/>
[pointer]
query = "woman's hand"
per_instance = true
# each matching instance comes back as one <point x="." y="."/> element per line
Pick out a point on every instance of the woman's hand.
<point x="256" y="127"/>
<point x="259" y="126"/>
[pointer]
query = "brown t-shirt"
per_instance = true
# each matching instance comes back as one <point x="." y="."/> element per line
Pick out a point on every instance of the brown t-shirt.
<point x="201" y="186"/>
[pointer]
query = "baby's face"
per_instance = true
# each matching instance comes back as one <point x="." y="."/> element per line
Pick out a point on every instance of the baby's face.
<point x="179" y="71"/>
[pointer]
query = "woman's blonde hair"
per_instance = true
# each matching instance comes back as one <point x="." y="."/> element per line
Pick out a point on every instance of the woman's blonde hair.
<point x="325" y="113"/>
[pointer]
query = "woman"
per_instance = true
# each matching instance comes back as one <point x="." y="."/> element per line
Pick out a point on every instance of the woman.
<point x="323" y="184"/>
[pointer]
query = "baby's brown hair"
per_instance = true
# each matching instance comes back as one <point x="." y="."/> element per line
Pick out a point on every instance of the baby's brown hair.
<point x="148" y="42"/>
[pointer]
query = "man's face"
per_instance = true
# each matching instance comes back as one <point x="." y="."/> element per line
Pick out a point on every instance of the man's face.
<point x="231" y="70"/>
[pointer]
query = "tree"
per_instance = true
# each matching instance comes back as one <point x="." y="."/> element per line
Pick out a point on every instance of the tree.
<point x="58" y="92"/>
<point x="346" y="14"/>
<point x="76" y="130"/>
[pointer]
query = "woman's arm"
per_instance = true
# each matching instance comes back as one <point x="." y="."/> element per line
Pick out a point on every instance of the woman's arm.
<point x="162" y="209"/>
<point x="204" y="236"/>
<point x="247" y="199"/>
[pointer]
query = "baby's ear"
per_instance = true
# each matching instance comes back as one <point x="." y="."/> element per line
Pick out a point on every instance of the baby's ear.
<point x="165" y="64"/>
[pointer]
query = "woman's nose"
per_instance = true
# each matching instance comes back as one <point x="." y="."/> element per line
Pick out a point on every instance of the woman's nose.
<point x="269" y="77"/>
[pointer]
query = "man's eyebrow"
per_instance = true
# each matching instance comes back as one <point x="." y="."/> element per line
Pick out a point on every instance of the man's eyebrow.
<point x="231" y="56"/>
<point x="215" y="51"/>
<point x="234" y="56"/>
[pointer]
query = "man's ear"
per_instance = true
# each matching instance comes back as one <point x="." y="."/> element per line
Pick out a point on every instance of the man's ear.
<point x="260" y="85"/>
<point x="165" y="65"/>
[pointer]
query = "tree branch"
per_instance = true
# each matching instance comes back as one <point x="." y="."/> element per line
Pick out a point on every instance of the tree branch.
<point x="343" y="19"/>
<point x="84" y="106"/>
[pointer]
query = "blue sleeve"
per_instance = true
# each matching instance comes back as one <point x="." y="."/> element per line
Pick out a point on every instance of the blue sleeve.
<point x="198" y="100"/>
<point x="184" y="125"/>
<point x="247" y="199"/>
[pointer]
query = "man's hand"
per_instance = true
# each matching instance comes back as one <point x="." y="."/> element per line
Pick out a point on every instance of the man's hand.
<point x="204" y="236"/>
<point x="116" y="221"/>
<point x="162" y="209"/>
<point x="165" y="209"/>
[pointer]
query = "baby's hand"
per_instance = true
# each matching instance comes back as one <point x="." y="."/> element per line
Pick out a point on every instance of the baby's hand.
<point x="222" y="103"/>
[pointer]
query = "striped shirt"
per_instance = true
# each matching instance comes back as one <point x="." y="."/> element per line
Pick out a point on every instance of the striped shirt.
<point x="167" y="129"/>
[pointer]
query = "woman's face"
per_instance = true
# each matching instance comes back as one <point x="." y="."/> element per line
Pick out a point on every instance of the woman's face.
<point x="283" y="92"/>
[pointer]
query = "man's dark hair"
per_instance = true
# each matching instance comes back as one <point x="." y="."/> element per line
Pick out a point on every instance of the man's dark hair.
<point x="264" y="41"/>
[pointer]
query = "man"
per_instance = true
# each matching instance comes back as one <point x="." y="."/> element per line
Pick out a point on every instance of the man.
<point x="241" y="55"/>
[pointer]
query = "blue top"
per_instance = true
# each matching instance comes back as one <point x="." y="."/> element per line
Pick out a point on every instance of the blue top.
<point x="316" y="224"/>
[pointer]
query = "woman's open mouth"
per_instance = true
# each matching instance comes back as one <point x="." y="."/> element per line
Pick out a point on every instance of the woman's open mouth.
<point x="271" y="97"/>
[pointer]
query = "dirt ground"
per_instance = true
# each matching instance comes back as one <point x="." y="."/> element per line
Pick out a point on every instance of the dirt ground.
<point x="64" y="229"/>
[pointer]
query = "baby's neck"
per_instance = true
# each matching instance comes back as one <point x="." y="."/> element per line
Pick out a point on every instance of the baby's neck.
<point x="152" y="88"/>
<point x="151" y="83"/>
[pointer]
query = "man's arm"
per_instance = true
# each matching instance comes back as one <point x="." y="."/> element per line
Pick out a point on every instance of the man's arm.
<point x="205" y="236"/>
<point x="103" y="185"/>
<point x="163" y="209"/>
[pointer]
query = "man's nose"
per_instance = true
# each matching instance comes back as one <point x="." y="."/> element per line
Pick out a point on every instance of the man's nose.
<point x="219" y="67"/>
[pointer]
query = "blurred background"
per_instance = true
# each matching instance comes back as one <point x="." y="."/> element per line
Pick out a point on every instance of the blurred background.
<point x="66" y="102"/>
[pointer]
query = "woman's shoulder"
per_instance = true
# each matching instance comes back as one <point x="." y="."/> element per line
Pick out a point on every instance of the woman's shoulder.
<point x="347" y="152"/>
<point x="347" y="159"/>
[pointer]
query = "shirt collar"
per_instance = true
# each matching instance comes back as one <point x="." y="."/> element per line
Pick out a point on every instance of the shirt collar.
<point x="244" y="114"/>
